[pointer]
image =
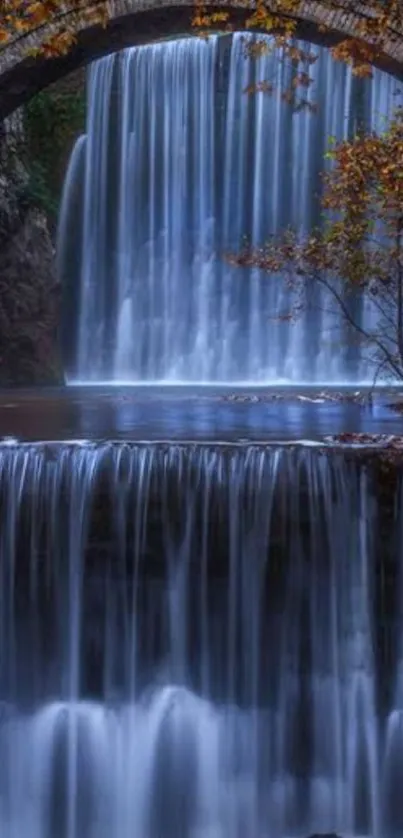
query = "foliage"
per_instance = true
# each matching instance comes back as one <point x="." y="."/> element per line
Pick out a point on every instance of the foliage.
<point x="52" y="121"/>
<point x="375" y="28"/>
<point x="37" y="191"/>
<point x="358" y="249"/>
<point x="33" y="157"/>
<point x="21" y="17"/>
<point x="28" y="291"/>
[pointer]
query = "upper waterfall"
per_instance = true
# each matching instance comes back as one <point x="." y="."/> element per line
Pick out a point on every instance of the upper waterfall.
<point x="177" y="164"/>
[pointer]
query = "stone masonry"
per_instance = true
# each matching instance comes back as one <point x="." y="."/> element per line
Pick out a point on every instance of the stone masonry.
<point x="134" y="22"/>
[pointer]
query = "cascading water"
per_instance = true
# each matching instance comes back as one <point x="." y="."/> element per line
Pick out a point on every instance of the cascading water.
<point x="188" y="645"/>
<point x="176" y="166"/>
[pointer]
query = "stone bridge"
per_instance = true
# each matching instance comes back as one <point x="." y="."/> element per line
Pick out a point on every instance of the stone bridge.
<point x="134" y="22"/>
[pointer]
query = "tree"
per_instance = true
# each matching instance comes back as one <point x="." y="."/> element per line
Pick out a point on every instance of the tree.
<point x="378" y="22"/>
<point x="359" y="247"/>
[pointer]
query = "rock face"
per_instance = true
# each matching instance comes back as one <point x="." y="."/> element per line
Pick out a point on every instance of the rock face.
<point x="29" y="293"/>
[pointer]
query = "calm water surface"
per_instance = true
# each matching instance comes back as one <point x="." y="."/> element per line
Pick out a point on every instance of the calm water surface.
<point x="185" y="413"/>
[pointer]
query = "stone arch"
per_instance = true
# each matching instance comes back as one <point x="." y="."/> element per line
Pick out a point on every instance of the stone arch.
<point x="134" y="22"/>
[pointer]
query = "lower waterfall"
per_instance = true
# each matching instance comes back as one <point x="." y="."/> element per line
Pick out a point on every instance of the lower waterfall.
<point x="176" y="166"/>
<point x="194" y="643"/>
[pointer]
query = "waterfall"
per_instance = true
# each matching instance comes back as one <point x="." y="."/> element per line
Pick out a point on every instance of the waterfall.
<point x="177" y="166"/>
<point x="188" y="644"/>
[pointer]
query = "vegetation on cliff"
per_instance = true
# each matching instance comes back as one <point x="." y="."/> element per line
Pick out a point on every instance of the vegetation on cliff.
<point x="39" y="145"/>
<point x="52" y="121"/>
<point x="34" y="149"/>
<point x="29" y="293"/>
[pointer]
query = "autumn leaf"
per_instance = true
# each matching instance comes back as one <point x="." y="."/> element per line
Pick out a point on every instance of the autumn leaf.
<point x="21" y="17"/>
<point x="373" y="32"/>
<point x="277" y="17"/>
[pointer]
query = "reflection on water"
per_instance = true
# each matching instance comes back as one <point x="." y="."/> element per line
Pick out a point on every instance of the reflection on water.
<point x="183" y="413"/>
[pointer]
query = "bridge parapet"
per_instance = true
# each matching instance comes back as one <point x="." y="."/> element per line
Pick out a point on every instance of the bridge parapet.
<point x="134" y="22"/>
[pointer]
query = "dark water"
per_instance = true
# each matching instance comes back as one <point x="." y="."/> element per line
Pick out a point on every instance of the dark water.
<point x="185" y="413"/>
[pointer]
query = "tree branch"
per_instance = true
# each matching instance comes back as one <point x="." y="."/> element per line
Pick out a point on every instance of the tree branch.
<point x="388" y="357"/>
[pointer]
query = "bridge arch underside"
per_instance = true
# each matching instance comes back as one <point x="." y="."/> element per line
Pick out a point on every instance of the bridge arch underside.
<point x="25" y="77"/>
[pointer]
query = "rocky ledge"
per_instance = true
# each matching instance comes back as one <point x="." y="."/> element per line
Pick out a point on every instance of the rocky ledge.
<point x="29" y="292"/>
